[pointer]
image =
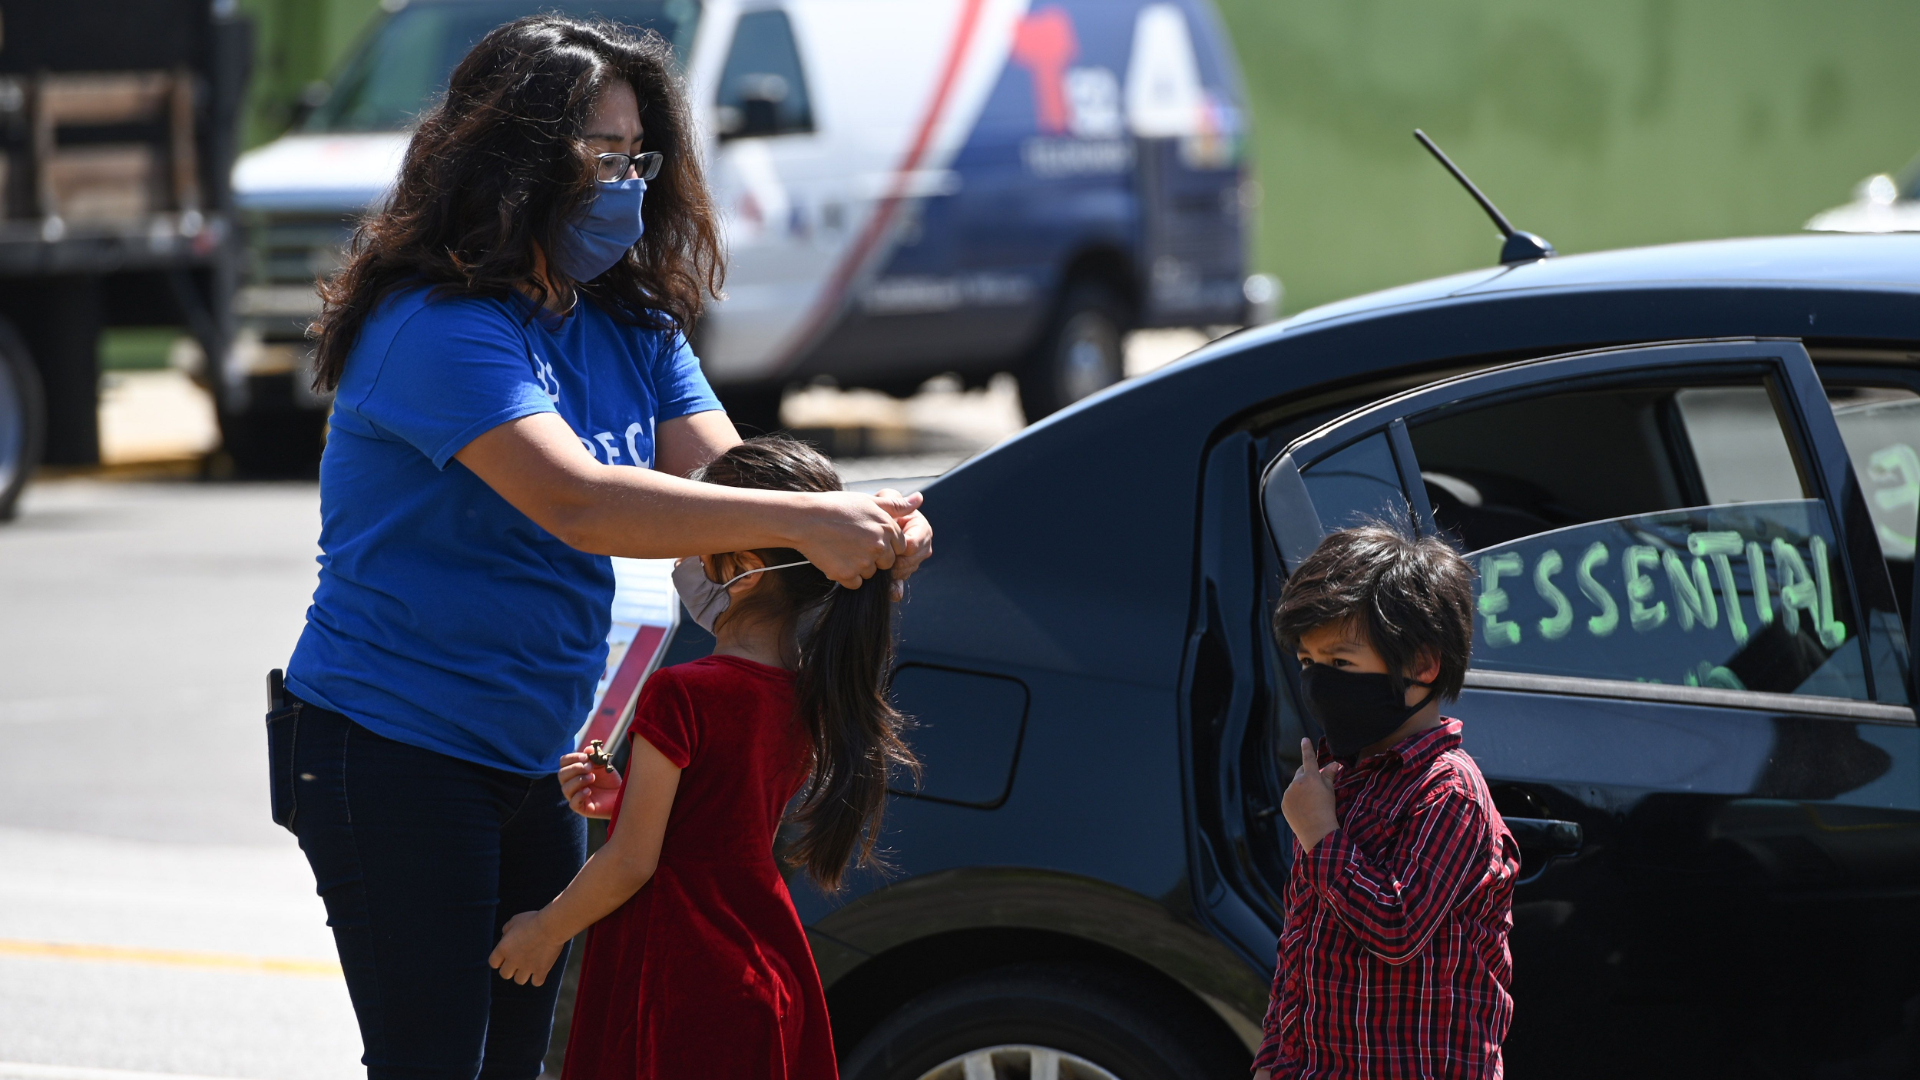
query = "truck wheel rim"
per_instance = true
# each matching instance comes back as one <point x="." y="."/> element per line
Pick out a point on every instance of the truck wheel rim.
<point x="13" y="430"/>
<point x="1088" y="364"/>
<point x="1017" y="1062"/>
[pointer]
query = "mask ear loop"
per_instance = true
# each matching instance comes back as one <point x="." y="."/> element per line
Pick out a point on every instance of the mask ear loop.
<point x="761" y="570"/>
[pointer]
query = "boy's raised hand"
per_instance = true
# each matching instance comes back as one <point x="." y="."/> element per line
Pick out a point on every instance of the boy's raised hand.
<point x="590" y="791"/>
<point x="1308" y="803"/>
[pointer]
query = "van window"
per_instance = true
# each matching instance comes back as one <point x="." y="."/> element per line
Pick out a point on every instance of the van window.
<point x="405" y="63"/>
<point x="1651" y="533"/>
<point x="763" y="90"/>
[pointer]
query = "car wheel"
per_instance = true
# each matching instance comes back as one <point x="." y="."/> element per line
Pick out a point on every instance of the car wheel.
<point x="754" y="410"/>
<point x="1079" y="354"/>
<point x="23" y="418"/>
<point x="1065" y="1021"/>
<point x="275" y="444"/>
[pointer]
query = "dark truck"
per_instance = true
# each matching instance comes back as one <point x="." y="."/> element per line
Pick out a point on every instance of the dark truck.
<point x="118" y="123"/>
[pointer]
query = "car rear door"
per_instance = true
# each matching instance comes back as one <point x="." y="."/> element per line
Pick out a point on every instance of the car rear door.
<point x="1690" y="691"/>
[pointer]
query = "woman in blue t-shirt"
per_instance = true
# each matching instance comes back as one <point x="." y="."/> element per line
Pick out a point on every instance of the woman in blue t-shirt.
<point x="514" y="401"/>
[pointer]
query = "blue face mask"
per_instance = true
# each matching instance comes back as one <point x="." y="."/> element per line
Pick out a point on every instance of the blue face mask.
<point x="603" y="232"/>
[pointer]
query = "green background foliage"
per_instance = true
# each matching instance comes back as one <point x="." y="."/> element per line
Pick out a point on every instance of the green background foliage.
<point x="1602" y="124"/>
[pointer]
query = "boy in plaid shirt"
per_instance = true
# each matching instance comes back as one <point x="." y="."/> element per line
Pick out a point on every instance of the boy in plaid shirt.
<point x="1393" y="957"/>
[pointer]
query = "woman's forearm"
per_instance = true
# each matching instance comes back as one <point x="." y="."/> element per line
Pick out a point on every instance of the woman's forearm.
<point x="538" y="465"/>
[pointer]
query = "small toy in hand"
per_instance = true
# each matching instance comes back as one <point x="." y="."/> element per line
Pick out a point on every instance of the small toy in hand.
<point x="598" y="756"/>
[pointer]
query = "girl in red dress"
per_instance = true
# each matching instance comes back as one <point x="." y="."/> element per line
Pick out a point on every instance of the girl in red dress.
<point x="697" y="965"/>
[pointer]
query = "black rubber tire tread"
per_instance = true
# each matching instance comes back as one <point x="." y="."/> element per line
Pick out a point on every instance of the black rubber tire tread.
<point x="275" y="443"/>
<point x="16" y="365"/>
<point x="1103" y="1015"/>
<point x="754" y="410"/>
<point x="1041" y="392"/>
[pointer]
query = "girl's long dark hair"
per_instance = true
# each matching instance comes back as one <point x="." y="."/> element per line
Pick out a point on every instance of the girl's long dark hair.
<point x="840" y="687"/>
<point x="499" y="166"/>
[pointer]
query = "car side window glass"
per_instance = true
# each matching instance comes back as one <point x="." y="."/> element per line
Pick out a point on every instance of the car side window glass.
<point x="1881" y="427"/>
<point x="1356" y="485"/>
<point x="1654" y="533"/>
<point x="763" y="90"/>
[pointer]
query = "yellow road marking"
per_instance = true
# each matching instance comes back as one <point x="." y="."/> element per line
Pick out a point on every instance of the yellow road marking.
<point x="169" y="958"/>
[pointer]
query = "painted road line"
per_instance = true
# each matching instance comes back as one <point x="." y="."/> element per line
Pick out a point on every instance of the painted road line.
<point x="168" y="958"/>
<point x="20" y="1070"/>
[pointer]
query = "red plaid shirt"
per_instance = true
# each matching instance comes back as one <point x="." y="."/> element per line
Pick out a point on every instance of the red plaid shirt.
<point x="1393" y="959"/>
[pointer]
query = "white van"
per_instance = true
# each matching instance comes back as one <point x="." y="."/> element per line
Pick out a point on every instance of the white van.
<point x="908" y="188"/>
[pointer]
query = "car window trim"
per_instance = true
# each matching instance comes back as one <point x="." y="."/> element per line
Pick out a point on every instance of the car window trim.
<point x="1815" y="435"/>
<point x="1760" y="700"/>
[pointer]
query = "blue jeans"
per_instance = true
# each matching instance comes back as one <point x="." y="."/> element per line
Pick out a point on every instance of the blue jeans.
<point x="421" y="858"/>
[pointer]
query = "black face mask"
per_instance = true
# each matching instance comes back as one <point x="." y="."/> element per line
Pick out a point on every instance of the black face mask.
<point x="1356" y="709"/>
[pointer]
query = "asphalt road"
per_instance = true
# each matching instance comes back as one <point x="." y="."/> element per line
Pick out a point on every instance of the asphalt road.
<point x="152" y="918"/>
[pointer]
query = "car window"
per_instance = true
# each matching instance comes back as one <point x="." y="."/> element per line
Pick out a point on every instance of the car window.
<point x="1881" y="427"/>
<point x="405" y="63"/>
<point x="1646" y="533"/>
<point x="1357" y="485"/>
<point x="763" y="90"/>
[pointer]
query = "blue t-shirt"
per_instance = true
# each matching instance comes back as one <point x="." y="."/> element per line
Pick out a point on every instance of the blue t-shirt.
<point x="445" y="618"/>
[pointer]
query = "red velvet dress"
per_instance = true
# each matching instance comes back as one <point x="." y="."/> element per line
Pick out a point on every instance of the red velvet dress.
<point x="706" y="972"/>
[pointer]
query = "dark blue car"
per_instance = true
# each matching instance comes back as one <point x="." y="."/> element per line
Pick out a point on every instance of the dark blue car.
<point x="1687" y="478"/>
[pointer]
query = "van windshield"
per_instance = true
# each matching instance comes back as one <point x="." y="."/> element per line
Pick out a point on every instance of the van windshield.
<point x="404" y="64"/>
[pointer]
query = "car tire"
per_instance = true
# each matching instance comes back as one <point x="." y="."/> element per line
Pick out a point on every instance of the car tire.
<point x="754" y="410"/>
<point x="275" y="443"/>
<point x="1080" y="352"/>
<point x="23" y="418"/>
<point x="1097" y="1023"/>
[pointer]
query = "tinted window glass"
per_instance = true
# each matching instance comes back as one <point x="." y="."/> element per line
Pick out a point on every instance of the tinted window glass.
<point x="405" y="64"/>
<point x="1356" y="485"/>
<point x="1882" y="430"/>
<point x="1647" y="533"/>
<point x="762" y="88"/>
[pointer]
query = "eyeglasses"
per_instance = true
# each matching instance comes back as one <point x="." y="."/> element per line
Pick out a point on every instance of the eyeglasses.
<point x="613" y="167"/>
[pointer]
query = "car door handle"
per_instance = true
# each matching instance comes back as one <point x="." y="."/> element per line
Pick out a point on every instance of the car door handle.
<point x="1546" y="835"/>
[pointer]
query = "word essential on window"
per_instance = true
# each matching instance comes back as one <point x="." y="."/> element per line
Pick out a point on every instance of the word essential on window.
<point x="1740" y="597"/>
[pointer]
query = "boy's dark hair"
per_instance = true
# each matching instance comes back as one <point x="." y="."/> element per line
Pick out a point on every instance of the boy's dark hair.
<point x="840" y="695"/>
<point x="1411" y="596"/>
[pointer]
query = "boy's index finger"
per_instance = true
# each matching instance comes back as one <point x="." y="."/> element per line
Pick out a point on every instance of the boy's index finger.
<point x="1307" y="758"/>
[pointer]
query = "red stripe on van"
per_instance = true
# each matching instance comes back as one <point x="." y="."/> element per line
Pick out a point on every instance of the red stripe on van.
<point x="648" y="648"/>
<point x="850" y="263"/>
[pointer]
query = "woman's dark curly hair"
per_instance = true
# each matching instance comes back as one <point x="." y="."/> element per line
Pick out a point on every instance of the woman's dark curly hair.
<point x="498" y="167"/>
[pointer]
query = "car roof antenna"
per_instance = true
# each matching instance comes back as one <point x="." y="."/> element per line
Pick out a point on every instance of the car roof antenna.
<point x="1520" y="246"/>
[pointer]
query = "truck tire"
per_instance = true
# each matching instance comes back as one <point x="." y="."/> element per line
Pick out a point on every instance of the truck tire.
<point x="1079" y="353"/>
<point x="1096" y="1023"/>
<point x="23" y="418"/>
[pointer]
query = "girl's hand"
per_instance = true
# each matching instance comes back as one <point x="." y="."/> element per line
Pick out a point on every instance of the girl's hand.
<point x="526" y="951"/>
<point x="592" y="792"/>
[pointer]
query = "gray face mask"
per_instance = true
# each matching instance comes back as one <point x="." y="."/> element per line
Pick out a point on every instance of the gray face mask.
<point x="706" y="599"/>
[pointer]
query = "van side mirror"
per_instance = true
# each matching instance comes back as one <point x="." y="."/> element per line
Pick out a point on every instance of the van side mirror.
<point x="755" y="109"/>
<point x="312" y="96"/>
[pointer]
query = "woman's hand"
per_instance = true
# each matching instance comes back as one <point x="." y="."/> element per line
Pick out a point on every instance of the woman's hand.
<point x="918" y="533"/>
<point x="592" y="792"/>
<point x="526" y="950"/>
<point x="850" y="536"/>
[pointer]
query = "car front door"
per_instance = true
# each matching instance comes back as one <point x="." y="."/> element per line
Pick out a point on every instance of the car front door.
<point x="1689" y="691"/>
